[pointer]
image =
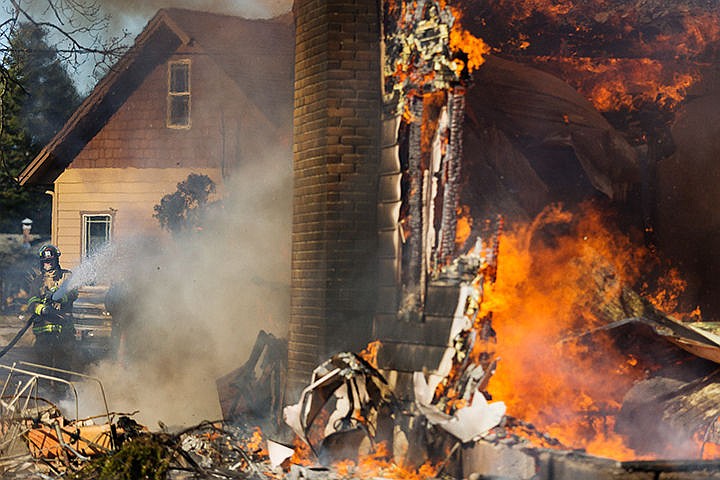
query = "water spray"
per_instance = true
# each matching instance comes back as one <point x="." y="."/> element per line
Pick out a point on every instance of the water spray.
<point x="96" y="266"/>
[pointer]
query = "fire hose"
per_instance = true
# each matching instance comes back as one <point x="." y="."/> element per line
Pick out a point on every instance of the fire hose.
<point x="18" y="335"/>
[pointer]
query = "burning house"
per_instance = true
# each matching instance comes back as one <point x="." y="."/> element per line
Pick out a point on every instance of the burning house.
<point x="570" y="122"/>
<point x="491" y="191"/>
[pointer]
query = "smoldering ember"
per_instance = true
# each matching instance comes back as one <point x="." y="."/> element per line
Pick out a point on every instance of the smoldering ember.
<point x="427" y="239"/>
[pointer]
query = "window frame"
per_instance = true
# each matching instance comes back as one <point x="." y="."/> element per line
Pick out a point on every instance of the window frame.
<point x="110" y="215"/>
<point x="178" y="94"/>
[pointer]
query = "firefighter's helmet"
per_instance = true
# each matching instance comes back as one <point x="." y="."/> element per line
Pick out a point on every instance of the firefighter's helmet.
<point x="48" y="252"/>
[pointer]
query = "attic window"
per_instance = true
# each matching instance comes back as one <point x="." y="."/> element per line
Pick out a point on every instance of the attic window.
<point x="178" y="112"/>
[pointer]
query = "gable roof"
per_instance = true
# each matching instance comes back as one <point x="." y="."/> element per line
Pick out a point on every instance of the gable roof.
<point x="256" y="54"/>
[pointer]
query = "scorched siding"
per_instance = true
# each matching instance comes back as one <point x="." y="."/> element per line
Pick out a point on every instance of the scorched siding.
<point x="129" y="194"/>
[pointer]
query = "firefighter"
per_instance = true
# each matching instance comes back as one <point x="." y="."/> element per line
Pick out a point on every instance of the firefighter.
<point x="52" y="309"/>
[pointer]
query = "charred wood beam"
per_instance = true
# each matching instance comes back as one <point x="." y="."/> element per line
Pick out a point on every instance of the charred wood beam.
<point x="415" y="251"/>
<point x="451" y="174"/>
<point x="427" y="233"/>
<point x="659" y="466"/>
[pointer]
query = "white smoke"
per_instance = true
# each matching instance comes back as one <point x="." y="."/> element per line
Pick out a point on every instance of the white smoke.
<point x="130" y="10"/>
<point x="199" y="301"/>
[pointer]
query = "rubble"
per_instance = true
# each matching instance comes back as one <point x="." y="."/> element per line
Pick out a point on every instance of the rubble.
<point x="468" y="423"/>
<point x="36" y="438"/>
<point x="347" y="413"/>
<point x="206" y="450"/>
<point x="418" y="54"/>
<point x="451" y="397"/>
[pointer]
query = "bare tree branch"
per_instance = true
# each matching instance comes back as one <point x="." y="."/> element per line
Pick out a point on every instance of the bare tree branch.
<point x="77" y="27"/>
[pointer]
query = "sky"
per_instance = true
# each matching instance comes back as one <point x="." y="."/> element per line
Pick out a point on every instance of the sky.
<point x="127" y="18"/>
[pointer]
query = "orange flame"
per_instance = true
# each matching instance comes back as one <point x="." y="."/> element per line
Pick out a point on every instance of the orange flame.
<point x="462" y="40"/>
<point x="550" y="288"/>
<point x="464" y="226"/>
<point x="302" y="453"/>
<point x="549" y="8"/>
<point x="256" y="444"/>
<point x="613" y="84"/>
<point x="693" y="27"/>
<point x="379" y="464"/>
<point x="419" y="69"/>
<point x="370" y="353"/>
<point x="666" y="297"/>
<point x="710" y="451"/>
<point x="618" y="54"/>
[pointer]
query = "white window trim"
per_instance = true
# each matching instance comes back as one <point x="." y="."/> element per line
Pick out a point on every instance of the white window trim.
<point x="185" y="61"/>
<point x="84" y="232"/>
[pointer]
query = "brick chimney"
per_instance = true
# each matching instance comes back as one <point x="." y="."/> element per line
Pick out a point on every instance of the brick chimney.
<point x="337" y="123"/>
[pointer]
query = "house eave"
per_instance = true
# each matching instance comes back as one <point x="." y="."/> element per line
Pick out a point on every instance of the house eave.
<point x="153" y="46"/>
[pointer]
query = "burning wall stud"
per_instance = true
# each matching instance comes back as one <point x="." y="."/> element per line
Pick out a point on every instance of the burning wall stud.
<point x="420" y="68"/>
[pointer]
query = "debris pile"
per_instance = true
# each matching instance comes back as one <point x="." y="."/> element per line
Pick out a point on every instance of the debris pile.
<point x="423" y="54"/>
<point x="206" y="450"/>
<point x="37" y="439"/>
<point x="349" y="410"/>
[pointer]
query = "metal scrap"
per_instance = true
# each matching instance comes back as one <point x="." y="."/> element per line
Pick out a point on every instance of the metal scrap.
<point x="353" y="397"/>
<point x="35" y="437"/>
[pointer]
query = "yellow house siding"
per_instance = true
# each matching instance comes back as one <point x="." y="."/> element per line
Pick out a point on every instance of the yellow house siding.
<point x="129" y="194"/>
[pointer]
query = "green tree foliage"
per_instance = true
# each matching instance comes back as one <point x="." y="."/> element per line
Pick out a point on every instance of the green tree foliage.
<point x="145" y="457"/>
<point x="50" y="95"/>
<point x="185" y="209"/>
<point x="37" y="98"/>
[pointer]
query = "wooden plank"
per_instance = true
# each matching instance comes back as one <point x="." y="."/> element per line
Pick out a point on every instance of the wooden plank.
<point x="69" y="230"/>
<point x="442" y="300"/>
<point x="117" y="188"/>
<point x="387" y="299"/>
